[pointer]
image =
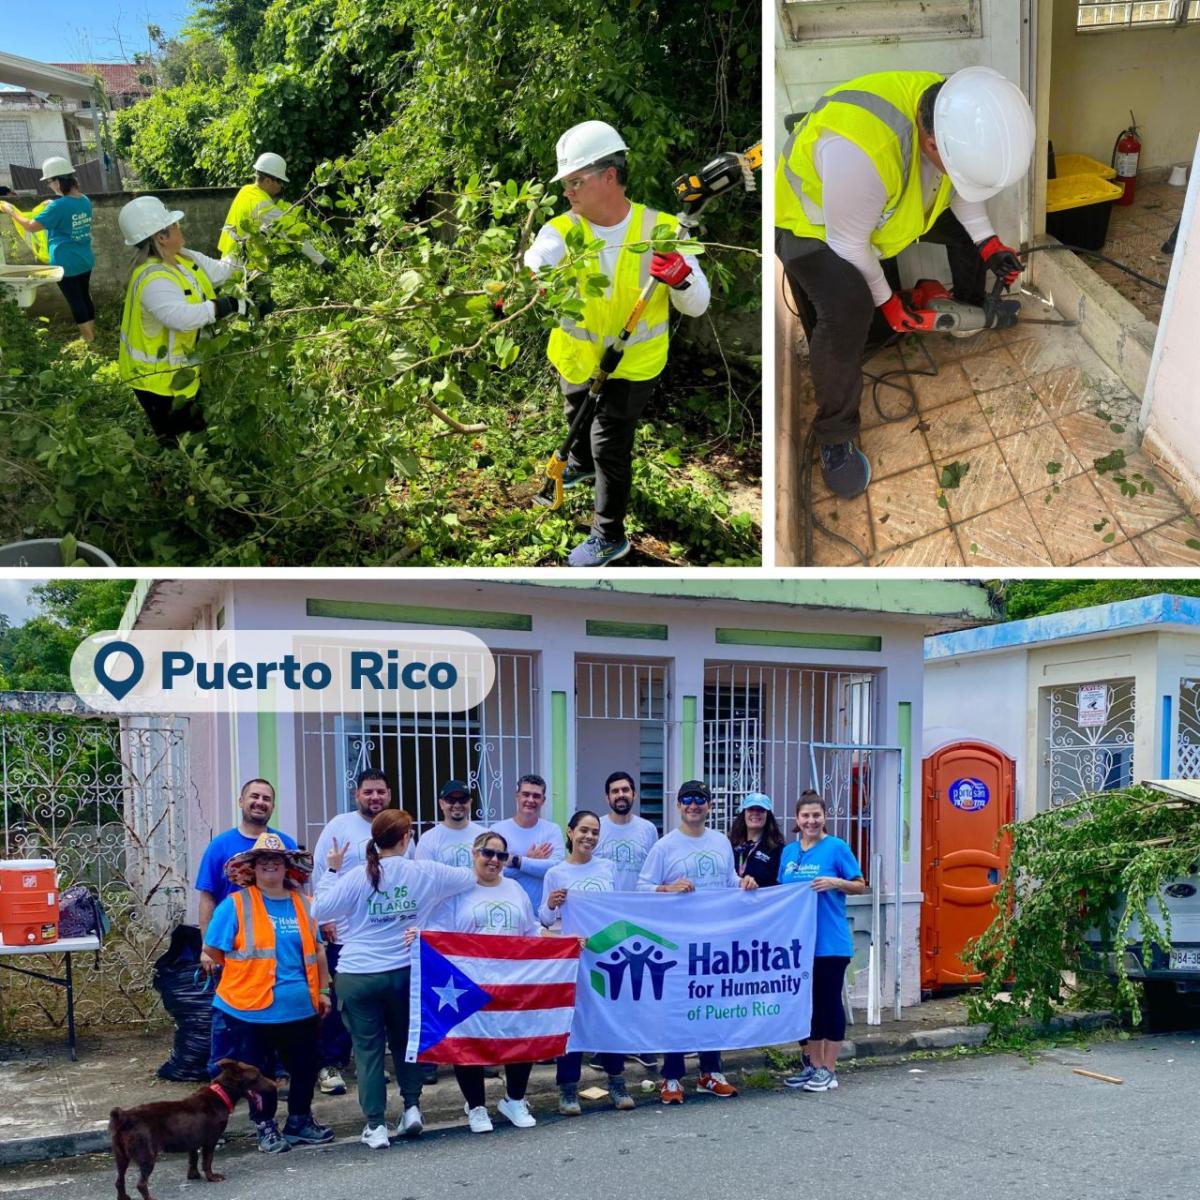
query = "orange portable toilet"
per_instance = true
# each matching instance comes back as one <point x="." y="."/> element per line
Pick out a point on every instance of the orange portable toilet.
<point x="28" y="901"/>
<point x="967" y="798"/>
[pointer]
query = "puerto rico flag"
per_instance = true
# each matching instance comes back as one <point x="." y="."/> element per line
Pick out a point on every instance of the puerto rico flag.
<point x="487" y="999"/>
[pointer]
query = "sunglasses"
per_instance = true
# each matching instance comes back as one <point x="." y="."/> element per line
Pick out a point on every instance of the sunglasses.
<point x="687" y="801"/>
<point x="498" y="855"/>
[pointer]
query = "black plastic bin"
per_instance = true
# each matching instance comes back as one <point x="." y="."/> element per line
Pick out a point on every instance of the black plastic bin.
<point x="1078" y="208"/>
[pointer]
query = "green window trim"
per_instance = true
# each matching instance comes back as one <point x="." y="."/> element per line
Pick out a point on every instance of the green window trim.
<point x="799" y="639"/>
<point x="410" y="614"/>
<point x="626" y="629"/>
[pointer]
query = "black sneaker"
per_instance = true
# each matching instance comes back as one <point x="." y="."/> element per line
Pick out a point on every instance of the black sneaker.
<point x="304" y="1131"/>
<point x="845" y="470"/>
<point x="574" y="476"/>
<point x="649" y="1061"/>
<point x="270" y="1140"/>
<point x="429" y="1074"/>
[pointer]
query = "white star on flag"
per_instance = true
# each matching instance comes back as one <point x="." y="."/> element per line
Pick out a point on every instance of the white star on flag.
<point x="448" y="995"/>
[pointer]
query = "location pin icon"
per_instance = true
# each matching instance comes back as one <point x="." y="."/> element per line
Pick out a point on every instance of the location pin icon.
<point x="119" y="688"/>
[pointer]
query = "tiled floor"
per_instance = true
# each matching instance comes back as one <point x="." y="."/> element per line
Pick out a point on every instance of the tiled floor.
<point x="1135" y="237"/>
<point x="1036" y="418"/>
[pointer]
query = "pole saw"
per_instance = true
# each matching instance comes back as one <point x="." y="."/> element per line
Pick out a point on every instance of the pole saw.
<point x="694" y="192"/>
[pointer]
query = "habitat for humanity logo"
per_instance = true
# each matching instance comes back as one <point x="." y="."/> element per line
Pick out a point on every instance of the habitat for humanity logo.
<point x="272" y="670"/>
<point x="628" y="952"/>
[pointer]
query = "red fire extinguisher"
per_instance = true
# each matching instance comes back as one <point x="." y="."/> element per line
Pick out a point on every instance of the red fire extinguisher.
<point x="1125" y="155"/>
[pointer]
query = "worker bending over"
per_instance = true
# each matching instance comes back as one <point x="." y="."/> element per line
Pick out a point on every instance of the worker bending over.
<point x="878" y="163"/>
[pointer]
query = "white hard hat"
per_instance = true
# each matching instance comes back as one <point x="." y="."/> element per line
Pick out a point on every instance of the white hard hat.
<point x="273" y="165"/>
<point x="585" y="144"/>
<point x="984" y="131"/>
<point x="143" y="218"/>
<point x="52" y="168"/>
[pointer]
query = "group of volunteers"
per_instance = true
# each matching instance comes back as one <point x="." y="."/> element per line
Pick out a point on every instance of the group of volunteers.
<point x="303" y="981"/>
<point x="172" y="296"/>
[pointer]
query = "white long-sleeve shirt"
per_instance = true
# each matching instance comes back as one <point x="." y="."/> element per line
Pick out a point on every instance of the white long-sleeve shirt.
<point x="706" y="860"/>
<point x="532" y="870"/>
<point x="854" y="199"/>
<point x="548" y="250"/>
<point x="594" y="876"/>
<point x="449" y="846"/>
<point x="165" y="305"/>
<point x="626" y="847"/>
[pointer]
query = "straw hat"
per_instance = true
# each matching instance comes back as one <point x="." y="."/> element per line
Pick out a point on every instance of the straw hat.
<point x="240" y="868"/>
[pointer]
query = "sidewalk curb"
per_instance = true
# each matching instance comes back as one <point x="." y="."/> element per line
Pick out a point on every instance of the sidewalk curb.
<point x="869" y="1047"/>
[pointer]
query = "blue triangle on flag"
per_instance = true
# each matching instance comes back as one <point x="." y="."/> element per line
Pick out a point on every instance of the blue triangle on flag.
<point x="448" y="996"/>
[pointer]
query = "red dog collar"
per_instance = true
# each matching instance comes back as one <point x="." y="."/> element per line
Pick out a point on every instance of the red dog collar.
<point x="216" y="1087"/>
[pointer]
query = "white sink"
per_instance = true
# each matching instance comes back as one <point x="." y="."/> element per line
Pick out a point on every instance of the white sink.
<point x="24" y="279"/>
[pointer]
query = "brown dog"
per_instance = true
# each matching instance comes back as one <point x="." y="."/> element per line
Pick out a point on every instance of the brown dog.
<point x="195" y="1124"/>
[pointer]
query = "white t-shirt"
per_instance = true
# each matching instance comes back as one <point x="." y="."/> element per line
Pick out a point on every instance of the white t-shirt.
<point x="533" y="870"/>
<point x="503" y="909"/>
<point x="594" y="876"/>
<point x="706" y="860"/>
<point x="371" y="923"/>
<point x="164" y="304"/>
<point x="854" y="199"/>
<point x="549" y="249"/>
<point x="449" y="846"/>
<point x="626" y="847"/>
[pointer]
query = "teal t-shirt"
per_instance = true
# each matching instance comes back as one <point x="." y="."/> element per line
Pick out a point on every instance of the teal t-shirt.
<point x="291" y="1000"/>
<point x="830" y="856"/>
<point x="67" y="221"/>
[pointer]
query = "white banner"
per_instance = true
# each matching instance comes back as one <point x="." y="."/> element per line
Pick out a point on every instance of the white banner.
<point x="711" y="970"/>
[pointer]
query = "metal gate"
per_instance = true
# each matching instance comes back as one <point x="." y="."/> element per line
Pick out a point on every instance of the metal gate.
<point x="489" y="746"/>
<point x="108" y="802"/>
<point x="759" y="725"/>
<point x="1187" y="749"/>
<point x="1089" y="744"/>
<point x="621" y="712"/>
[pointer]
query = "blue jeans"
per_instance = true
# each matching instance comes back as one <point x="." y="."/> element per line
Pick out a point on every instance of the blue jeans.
<point x="672" y="1068"/>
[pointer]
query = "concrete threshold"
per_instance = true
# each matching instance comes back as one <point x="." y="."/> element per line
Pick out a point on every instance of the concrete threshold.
<point x="442" y="1104"/>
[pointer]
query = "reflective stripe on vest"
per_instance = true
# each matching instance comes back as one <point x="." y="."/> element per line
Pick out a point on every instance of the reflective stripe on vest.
<point x="253" y="209"/>
<point x="878" y="114"/>
<point x="576" y="345"/>
<point x="139" y="360"/>
<point x="248" y="978"/>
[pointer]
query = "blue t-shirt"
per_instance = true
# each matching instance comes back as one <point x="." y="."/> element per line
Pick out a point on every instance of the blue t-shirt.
<point x="290" y="1000"/>
<point x="830" y="856"/>
<point x="67" y="221"/>
<point x="211" y="875"/>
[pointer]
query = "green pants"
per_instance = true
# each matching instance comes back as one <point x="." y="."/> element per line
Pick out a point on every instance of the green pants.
<point x="375" y="1010"/>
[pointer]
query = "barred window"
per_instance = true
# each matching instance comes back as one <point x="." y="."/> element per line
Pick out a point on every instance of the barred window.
<point x="1094" y="16"/>
<point x="837" y="20"/>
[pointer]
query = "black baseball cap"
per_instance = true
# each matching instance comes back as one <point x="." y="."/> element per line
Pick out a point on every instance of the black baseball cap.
<point x="694" y="787"/>
<point x="452" y="788"/>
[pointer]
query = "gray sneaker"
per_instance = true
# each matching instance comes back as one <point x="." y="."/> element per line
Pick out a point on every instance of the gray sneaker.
<point x="798" y="1081"/>
<point x="270" y="1140"/>
<point x="618" y="1094"/>
<point x="823" y="1080"/>
<point x="568" y="1100"/>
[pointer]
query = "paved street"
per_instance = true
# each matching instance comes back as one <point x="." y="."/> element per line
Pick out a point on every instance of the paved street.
<point x="986" y="1127"/>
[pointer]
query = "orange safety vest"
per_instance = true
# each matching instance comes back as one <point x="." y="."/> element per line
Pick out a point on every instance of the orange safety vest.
<point x="248" y="979"/>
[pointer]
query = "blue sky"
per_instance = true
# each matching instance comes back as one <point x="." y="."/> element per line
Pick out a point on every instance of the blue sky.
<point x="14" y="600"/>
<point x="85" y="30"/>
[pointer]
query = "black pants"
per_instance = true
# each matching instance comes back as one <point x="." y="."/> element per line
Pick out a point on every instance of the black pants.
<point x="828" y="1013"/>
<point x="470" y="1082"/>
<point x="608" y="446"/>
<point x="839" y="315"/>
<point x="75" y="290"/>
<point x="335" y="1037"/>
<point x="295" y="1043"/>
<point x="170" y="417"/>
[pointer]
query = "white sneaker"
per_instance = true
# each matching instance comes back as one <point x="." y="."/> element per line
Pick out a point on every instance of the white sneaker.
<point x="330" y="1082"/>
<point x="375" y="1136"/>
<point x="517" y="1111"/>
<point x="411" y="1123"/>
<point x="478" y="1119"/>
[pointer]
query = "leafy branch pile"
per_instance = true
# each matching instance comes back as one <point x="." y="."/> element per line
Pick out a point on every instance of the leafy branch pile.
<point x="1089" y="871"/>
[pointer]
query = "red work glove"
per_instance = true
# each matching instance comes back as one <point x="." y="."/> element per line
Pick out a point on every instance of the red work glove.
<point x="670" y="269"/>
<point x="1001" y="260"/>
<point x="904" y="318"/>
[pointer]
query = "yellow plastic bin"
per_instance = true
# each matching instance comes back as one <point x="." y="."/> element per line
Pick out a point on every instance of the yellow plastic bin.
<point x="1081" y="164"/>
<point x="1078" y="208"/>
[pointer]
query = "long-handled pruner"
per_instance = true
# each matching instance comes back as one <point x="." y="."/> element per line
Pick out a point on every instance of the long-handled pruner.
<point x="695" y="191"/>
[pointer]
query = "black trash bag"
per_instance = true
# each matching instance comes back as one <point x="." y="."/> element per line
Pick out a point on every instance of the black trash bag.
<point x="80" y="914"/>
<point x="186" y="994"/>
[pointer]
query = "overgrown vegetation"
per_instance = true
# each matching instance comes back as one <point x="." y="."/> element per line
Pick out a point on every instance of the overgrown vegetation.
<point x="387" y="415"/>
<point x="1080" y="877"/>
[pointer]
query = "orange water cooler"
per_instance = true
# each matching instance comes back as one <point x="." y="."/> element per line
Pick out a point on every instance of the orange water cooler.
<point x="28" y="901"/>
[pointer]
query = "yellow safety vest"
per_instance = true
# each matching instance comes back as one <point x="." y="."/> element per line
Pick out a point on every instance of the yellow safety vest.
<point x="878" y="113"/>
<point x="250" y="209"/>
<point x="38" y="243"/>
<point x="140" y="351"/>
<point x="576" y="346"/>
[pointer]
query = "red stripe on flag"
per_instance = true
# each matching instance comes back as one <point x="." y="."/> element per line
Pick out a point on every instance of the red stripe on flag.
<point x="487" y="945"/>
<point x="494" y="1052"/>
<point x="520" y="997"/>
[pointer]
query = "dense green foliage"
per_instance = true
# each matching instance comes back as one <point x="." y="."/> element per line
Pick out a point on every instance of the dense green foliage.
<point x="386" y="415"/>
<point x="1035" y="597"/>
<point x="1078" y="873"/>
<point x="35" y="656"/>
